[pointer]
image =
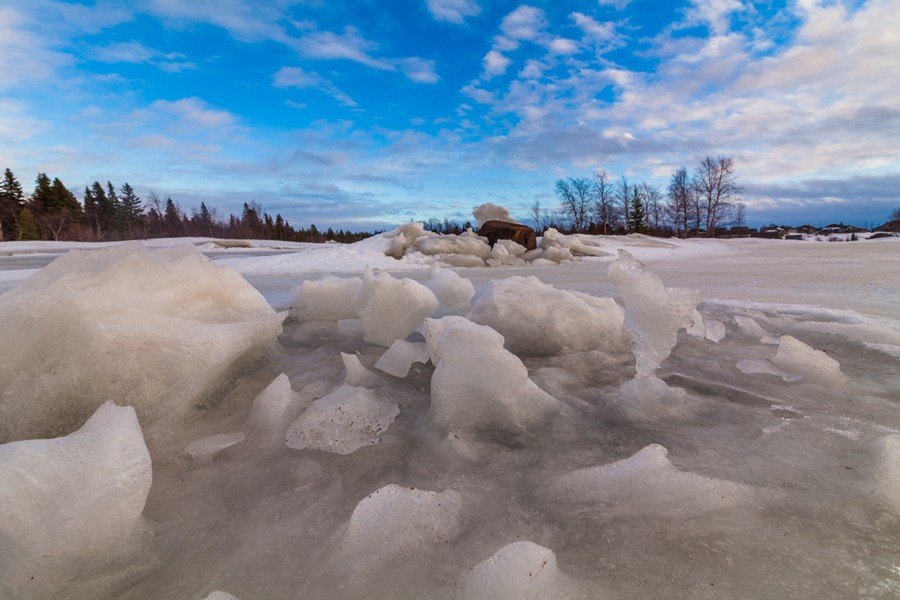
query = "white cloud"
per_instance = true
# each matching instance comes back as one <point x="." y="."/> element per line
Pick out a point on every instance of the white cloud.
<point x="617" y="4"/>
<point x="563" y="46"/>
<point x="295" y="77"/>
<point x="24" y="55"/>
<point x="596" y="31"/>
<point x="349" y="46"/>
<point x="419" y="70"/>
<point x="196" y="112"/>
<point x="453" y="11"/>
<point x="524" y="23"/>
<point x="495" y="63"/>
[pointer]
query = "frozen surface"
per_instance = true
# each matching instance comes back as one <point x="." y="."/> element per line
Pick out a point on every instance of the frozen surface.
<point x="771" y="488"/>
<point x="65" y="499"/>
<point x="204" y="449"/>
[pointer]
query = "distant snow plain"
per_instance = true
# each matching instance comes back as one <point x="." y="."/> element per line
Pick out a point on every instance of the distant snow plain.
<point x="778" y="476"/>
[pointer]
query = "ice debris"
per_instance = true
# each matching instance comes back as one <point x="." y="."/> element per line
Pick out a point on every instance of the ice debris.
<point x="535" y="318"/>
<point x="521" y="571"/>
<point x="888" y="473"/>
<point x="390" y="308"/>
<point x="715" y="330"/>
<point x="343" y="421"/>
<point x="454" y="293"/>
<point x="400" y="356"/>
<point x="204" y="449"/>
<point x="762" y="366"/>
<point x="75" y="494"/>
<point x="794" y="355"/>
<point x="102" y="324"/>
<point x="356" y="374"/>
<point x="326" y="299"/>
<point x="271" y="409"/>
<point x="477" y="383"/>
<point x="648" y="483"/>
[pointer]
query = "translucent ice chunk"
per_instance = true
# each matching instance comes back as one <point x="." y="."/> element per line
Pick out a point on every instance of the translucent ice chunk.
<point x="715" y="330"/>
<point x="356" y="373"/>
<point x="653" y="313"/>
<point x="888" y="473"/>
<point x="794" y="355"/>
<point x="520" y="571"/>
<point x="391" y="309"/>
<point x="754" y="366"/>
<point x="343" y="421"/>
<point x="204" y="449"/>
<point x="400" y="357"/>
<point x="477" y="383"/>
<point x="535" y="318"/>
<point x="271" y="407"/>
<point x="72" y="494"/>
<point x="453" y="244"/>
<point x="648" y="483"/>
<point x="326" y="299"/>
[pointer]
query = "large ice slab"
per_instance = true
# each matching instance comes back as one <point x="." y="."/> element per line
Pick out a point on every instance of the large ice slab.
<point x="479" y="384"/>
<point x="343" y="421"/>
<point x="163" y="329"/>
<point x="454" y="293"/>
<point x="72" y="496"/>
<point x="521" y="571"/>
<point x="535" y="318"/>
<point x="326" y="299"/>
<point x="796" y="356"/>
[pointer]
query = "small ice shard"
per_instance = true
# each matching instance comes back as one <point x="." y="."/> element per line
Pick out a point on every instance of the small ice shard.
<point x="697" y="328"/>
<point x="343" y="421"/>
<point x="348" y="328"/>
<point x="751" y="329"/>
<point x="649" y="397"/>
<point x="326" y="299"/>
<point x="754" y="366"/>
<point x="648" y="483"/>
<point x="398" y="359"/>
<point x="217" y="595"/>
<point x="71" y="495"/>
<point x="402" y="238"/>
<point x="271" y="408"/>
<point x="391" y="309"/>
<point x="204" y="449"/>
<point x="535" y="318"/>
<point x="794" y="355"/>
<point x="521" y="571"/>
<point x="454" y="293"/>
<point x="887" y="476"/>
<point x="715" y="330"/>
<point x="653" y="313"/>
<point x="396" y="522"/>
<point x="479" y="384"/>
<point x="357" y="375"/>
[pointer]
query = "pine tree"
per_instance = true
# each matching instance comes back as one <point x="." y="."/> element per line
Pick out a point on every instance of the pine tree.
<point x="206" y="220"/>
<point x="172" y="219"/>
<point x="131" y="210"/>
<point x="12" y="201"/>
<point x="28" y="226"/>
<point x="637" y="214"/>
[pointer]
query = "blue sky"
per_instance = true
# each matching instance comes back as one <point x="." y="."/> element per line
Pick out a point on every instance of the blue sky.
<point x="364" y="114"/>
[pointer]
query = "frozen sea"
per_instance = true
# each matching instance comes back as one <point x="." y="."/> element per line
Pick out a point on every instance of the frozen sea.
<point x="524" y="466"/>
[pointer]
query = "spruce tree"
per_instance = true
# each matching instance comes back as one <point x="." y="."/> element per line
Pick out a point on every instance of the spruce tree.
<point x="638" y="213"/>
<point x="132" y="212"/>
<point x="12" y="201"/>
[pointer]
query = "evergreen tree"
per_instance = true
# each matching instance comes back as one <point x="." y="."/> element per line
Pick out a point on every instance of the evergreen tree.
<point x="28" y="226"/>
<point x="206" y="220"/>
<point x="116" y="218"/>
<point x="637" y="214"/>
<point x="12" y="201"/>
<point x="132" y="212"/>
<point x="91" y="212"/>
<point x="172" y="219"/>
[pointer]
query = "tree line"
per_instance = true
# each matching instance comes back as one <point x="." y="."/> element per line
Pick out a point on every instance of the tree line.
<point x="694" y="204"/>
<point x="52" y="212"/>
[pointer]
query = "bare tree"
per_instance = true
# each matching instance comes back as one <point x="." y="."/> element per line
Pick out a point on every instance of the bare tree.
<point x="895" y="216"/>
<point x="716" y="186"/>
<point x="575" y="194"/>
<point x="538" y="215"/>
<point x="604" y="202"/>
<point x="679" y="208"/>
<point x="738" y="216"/>
<point x="653" y="206"/>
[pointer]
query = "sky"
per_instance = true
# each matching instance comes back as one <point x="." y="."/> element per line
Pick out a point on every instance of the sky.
<point x="364" y="114"/>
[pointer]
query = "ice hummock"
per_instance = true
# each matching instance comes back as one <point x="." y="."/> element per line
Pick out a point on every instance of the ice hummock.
<point x="391" y="309"/>
<point x="163" y="329"/>
<point x="65" y="499"/>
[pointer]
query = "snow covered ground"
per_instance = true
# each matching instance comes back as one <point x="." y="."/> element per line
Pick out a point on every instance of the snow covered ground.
<point x="695" y="419"/>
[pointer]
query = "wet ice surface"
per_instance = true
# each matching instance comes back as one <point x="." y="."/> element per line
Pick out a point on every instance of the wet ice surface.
<point x="766" y="486"/>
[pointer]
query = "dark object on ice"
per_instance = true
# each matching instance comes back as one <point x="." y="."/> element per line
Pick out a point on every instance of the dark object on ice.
<point x="503" y="230"/>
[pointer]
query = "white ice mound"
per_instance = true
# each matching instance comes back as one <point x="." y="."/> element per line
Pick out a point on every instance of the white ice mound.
<point x="75" y="494"/>
<point x="454" y="293"/>
<point x="400" y="356"/>
<point x="396" y="523"/>
<point x="326" y="299"/>
<point x="653" y="313"/>
<point x="402" y="238"/>
<point x="479" y="384"/>
<point x="794" y="355"/>
<point x="390" y="309"/>
<point x="217" y="595"/>
<point x="453" y="244"/>
<point x="888" y="473"/>
<point x="491" y="212"/>
<point x="204" y="449"/>
<point x="647" y="483"/>
<point x="535" y="318"/>
<point x="520" y="571"/>
<point x="578" y="244"/>
<point x="162" y="329"/>
<point x="343" y="421"/>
